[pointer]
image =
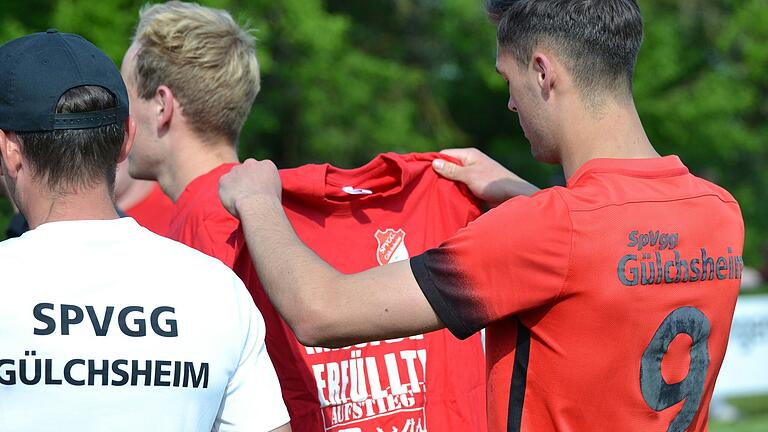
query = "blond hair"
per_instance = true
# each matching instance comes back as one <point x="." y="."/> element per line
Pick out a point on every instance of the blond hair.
<point x="205" y="58"/>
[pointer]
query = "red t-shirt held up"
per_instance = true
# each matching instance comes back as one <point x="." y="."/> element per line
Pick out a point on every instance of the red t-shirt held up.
<point x="607" y="304"/>
<point x="386" y="211"/>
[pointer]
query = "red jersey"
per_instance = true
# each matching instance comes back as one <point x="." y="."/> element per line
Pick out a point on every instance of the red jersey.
<point x="153" y="212"/>
<point x="356" y="219"/>
<point x="607" y="304"/>
<point x="200" y="221"/>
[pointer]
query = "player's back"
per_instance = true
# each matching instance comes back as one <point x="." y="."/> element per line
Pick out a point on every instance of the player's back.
<point x="607" y="303"/>
<point x="637" y="335"/>
<point x="106" y="326"/>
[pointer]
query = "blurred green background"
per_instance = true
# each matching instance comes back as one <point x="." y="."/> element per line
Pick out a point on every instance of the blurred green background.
<point x="344" y="80"/>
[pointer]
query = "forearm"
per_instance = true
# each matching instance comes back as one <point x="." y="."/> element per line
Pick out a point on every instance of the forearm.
<point x="517" y="186"/>
<point x="298" y="283"/>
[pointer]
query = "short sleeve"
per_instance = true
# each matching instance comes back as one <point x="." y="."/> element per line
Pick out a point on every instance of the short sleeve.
<point x="512" y="259"/>
<point x="212" y="234"/>
<point x="252" y="400"/>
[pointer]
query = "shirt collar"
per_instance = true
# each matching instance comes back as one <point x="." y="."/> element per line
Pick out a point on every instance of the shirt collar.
<point x="386" y="175"/>
<point x="99" y="228"/>
<point x="668" y="166"/>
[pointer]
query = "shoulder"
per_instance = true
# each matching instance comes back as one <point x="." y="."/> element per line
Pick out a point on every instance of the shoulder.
<point x="13" y="250"/>
<point x="177" y="254"/>
<point x="200" y="202"/>
<point x="723" y="204"/>
<point x="709" y="187"/>
<point x="206" y="207"/>
<point x="190" y="272"/>
<point x="546" y="206"/>
<point x="524" y="224"/>
<point x="202" y="215"/>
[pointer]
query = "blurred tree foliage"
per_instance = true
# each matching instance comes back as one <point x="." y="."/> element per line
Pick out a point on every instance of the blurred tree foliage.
<point x="344" y="80"/>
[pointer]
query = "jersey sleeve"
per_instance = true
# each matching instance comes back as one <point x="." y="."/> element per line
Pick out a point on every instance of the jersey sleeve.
<point x="512" y="259"/>
<point x="216" y="237"/>
<point x="252" y="400"/>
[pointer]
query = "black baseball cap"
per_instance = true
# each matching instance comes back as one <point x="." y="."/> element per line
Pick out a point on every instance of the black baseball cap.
<point x="35" y="70"/>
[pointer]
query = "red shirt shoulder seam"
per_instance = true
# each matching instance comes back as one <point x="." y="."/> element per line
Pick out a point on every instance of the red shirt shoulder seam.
<point x="570" y="250"/>
<point x="616" y="204"/>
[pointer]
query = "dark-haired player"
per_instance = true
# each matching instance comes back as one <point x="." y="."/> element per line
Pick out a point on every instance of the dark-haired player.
<point x="88" y="342"/>
<point x="607" y="302"/>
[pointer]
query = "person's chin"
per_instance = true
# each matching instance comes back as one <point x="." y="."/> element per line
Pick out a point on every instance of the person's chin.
<point x="136" y="171"/>
<point x="543" y="156"/>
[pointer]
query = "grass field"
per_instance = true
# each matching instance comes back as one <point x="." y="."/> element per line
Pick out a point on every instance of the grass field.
<point x="755" y="416"/>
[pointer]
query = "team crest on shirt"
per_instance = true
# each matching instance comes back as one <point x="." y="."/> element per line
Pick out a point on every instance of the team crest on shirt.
<point x="391" y="246"/>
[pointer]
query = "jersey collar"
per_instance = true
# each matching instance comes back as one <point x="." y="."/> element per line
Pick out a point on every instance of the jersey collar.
<point x="387" y="174"/>
<point x="668" y="166"/>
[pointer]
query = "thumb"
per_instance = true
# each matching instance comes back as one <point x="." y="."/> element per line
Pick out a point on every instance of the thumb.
<point x="449" y="170"/>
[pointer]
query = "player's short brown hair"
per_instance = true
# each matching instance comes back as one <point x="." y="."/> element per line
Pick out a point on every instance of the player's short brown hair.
<point x="69" y="159"/>
<point x="598" y="40"/>
<point x="205" y="58"/>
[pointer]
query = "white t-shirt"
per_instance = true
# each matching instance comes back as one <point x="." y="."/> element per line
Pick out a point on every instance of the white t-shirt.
<point x="105" y="326"/>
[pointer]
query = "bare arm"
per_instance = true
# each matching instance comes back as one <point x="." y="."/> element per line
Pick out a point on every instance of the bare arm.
<point x="322" y="306"/>
<point x="284" y="428"/>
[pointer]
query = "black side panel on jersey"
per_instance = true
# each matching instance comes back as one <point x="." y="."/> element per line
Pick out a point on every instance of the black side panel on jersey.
<point x="519" y="376"/>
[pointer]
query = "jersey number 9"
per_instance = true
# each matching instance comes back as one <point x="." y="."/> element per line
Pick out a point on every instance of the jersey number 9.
<point x="658" y="394"/>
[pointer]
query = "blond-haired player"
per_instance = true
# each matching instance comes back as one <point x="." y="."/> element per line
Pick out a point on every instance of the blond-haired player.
<point x="192" y="76"/>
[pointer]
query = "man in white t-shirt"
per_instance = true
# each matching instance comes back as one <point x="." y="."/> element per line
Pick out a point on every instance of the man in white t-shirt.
<point x="103" y="324"/>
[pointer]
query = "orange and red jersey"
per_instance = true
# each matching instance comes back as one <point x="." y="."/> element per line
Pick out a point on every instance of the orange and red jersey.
<point x="200" y="221"/>
<point x="607" y="304"/>
<point x="391" y="208"/>
<point x="153" y="212"/>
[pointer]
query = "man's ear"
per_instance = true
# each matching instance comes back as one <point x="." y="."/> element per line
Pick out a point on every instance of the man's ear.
<point x="164" y="99"/>
<point x="10" y="152"/>
<point x="546" y="76"/>
<point x="130" y="135"/>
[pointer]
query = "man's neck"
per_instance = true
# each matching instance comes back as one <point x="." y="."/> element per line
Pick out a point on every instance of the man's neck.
<point x="191" y="160"/>
<point x="616" y="133"/>
<point x="92" y="204"/>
